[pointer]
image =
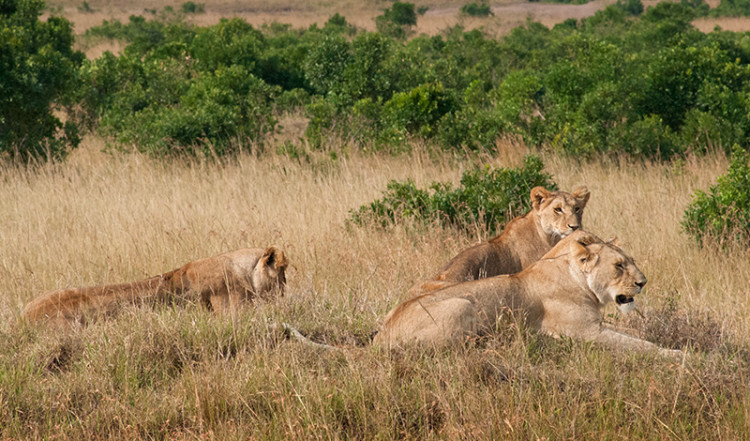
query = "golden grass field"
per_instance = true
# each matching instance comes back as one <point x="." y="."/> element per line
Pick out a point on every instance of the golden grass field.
<point x="179" y="372"/>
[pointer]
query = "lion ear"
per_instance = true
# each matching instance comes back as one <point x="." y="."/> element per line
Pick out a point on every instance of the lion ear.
<point x="274" y="258"/>
<point x="582" y="194"/>
<point x="585" y="238"/>
<point x="614" y="242"/>
<point x="583" y="257"/>
<point x="538" y="195"/>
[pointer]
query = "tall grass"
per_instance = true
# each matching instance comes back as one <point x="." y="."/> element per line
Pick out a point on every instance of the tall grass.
<point x="178" y="372"/>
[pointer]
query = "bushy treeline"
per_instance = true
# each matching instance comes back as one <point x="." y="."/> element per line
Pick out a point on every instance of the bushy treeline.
<point x="646" y="83"/>
<point x="621" y="81"/>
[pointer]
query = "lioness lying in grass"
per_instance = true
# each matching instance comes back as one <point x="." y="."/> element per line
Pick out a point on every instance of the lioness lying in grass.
<point x="561" y="294"/>
<point x="219" y="282"/>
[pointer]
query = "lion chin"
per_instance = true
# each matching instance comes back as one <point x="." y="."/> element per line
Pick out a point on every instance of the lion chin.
<point x="625" y="303"/>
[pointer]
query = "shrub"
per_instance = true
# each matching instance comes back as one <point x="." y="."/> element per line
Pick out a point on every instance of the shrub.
<point x="733" y="8"/>
<point x="418" y="110"/>
<point x="481" y="9"/>
<point x="38" y="73"/>
<point x="631" y="7"/>
<point x="396" y="21"/>
<point x="486" y="198"/>
<point x="215" y="111"/>
<point x="402" y="14"/>
<point x="193" y="8"/>
<point x="723" y="214"/>
<point x="325" y="63"/>
<point x="85" y="8"/>
<point x="230" y="42"/>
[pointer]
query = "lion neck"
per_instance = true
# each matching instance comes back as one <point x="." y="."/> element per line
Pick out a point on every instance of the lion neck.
<point x="560" y="278"/>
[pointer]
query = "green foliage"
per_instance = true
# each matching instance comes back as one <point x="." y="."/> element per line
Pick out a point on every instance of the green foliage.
<point x="325" y="63"/>
<point x="631" y="7"/>
<point x="402" y="13"/>
<point x="645" y="83"/>
<point x="723" y="214"/>
<point x="475" y="9"/>
<point x="190" y="7"/>
<point x="85" y="7"/>
<point x="397" y="20"/>
<point x="216" y="109"/>
<point x="231" y="42"/>
<point x="38" y="73"/>
<point x="417" y="111"/>
<point x="731" y="8"/>
<point x="486" y="198"/>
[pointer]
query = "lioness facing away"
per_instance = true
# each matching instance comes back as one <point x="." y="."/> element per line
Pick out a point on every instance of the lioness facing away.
<point x="554" y="215"/>
<point x="218" y="282"/>
<point x="561" y="294"/>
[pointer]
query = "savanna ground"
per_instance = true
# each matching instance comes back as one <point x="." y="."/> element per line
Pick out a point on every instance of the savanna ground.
<point x="179" y="372"/>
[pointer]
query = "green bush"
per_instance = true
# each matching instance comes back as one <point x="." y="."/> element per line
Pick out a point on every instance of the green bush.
<point x="397" y="20"/>
<point x="417" y="111"/>
<point x="486" y="199"/>
<point x="215" y="111"/>
<point x="473" y="9"/>
<point x="193" y="8"/>
<point x="732" y="8"/>
<point x="325" y="64"/>
<point x="38" y="73"/>
<point x="402" y="13"/>
<point x="723" y="214"/>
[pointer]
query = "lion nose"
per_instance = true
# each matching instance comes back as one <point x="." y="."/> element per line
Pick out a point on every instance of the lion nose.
<point x="574" y="227"/>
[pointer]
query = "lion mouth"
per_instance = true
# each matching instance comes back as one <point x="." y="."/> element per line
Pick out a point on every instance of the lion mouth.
<point x="622" y="299"/>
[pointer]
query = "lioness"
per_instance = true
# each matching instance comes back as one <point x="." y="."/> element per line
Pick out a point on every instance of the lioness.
<point x="218" y="282"/>
<point x="561" y="294"/>
<point x="525" y="239"/>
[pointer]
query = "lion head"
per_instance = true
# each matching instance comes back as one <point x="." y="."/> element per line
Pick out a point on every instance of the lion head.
<point x="560" y="213"/>
<point x="609" y="272"/>
<point x="269" y="273"/>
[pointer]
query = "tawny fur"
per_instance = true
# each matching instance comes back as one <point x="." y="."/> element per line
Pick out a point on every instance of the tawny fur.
<point x="561" y="294"/>
<point x="525" y="239"/>
<point x="219" y="282"/>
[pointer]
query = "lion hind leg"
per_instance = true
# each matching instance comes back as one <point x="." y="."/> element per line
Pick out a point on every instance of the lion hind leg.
<point x="447" y="322"/>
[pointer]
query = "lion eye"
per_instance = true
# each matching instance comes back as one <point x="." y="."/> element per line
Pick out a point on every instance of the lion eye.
<point x="558" y="210"/>
<point x="619" y="266"/>
<point x="578" y="209"/>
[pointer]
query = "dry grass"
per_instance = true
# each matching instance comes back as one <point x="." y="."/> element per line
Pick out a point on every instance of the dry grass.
<point x="181" y="373"/>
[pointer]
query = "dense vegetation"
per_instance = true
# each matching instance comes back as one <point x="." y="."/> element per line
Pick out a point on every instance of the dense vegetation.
<point x="623" y="81"/>
<point x="723" y="214"/>
<point x="486" y="199"/>
<point x="38" y="69"/>
<point x="630" y="81"/>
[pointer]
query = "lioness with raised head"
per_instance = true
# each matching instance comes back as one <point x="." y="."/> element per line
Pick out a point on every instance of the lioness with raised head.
<point x="554" y="215"/>
<point x="561" y="294"/>
<point x="218" y="282"/>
